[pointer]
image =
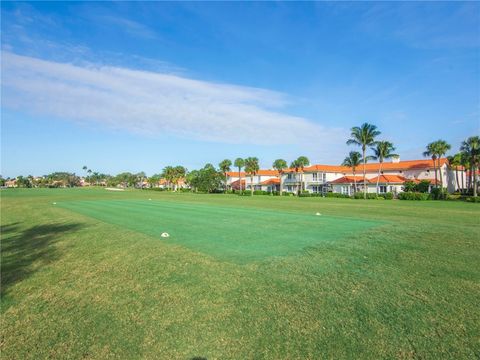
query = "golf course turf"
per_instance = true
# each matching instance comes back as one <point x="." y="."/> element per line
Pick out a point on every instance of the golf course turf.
<point x="86" y="274"/>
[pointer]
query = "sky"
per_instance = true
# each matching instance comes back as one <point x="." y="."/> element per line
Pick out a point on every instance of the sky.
<point x="137" y="86"/>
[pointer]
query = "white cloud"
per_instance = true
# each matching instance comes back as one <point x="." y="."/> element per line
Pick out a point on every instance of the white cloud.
<point x="153" y="103"/>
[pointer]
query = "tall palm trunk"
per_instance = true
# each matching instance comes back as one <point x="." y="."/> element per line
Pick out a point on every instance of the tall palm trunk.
<point x="378" y="176"/>
<point x="251" y="184"/>
<point x="474" y="180"/>
<point x="435" y="170"/>
<point x="225" y="183"/>
<point x="364" y="174"/>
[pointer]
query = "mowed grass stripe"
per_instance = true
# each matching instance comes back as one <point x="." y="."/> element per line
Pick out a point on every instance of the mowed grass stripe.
<point x="234" y="234"/>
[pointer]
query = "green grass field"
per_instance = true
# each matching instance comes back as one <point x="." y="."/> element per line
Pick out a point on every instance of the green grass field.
<point x="239" y="277"/>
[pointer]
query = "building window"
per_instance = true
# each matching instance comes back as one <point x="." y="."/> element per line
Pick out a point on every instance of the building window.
<point x="315" y="176"/>
<point x="382" y="189"/>
<point x="345" y="190"/>
<point x="324" y="177"/>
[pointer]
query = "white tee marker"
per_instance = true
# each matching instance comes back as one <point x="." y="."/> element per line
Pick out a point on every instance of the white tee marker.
<point x="165" y="235"/>
<point x="54" y="203"/>
<point x="318" y="214"/>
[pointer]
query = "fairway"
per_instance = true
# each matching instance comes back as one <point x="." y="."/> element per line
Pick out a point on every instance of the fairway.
<point x="257" y="277"/>
<point x="227" y="233"/>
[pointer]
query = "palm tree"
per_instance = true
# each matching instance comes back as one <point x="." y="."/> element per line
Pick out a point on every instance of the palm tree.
<point x="298" y="165"/>
<point x="179" y="172"/>
<point x="432" y="152"/>
<point x="239" y="163"/>
<point x="442" y="148"/>
<point x="363" y="136"/>
<point x="89" y="171"/>
<point x="471" y="148"/>
<point x="225" y="167"/>
<point x="382" y="150"/>
<point x="454" y="162"/>
<point x="280" y="165"/>
<point x="168" y="175"/>
<point x="251" y="167"/>
<point x="353" y="160"/>
<point x="466" y="170"/>
<point x="302" y="161"/>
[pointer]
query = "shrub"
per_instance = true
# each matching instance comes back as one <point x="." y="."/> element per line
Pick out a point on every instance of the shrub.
<point x="438" y="193"/>
<point x="337" y="195"/>
<point x="409" y="195"/>
<point x="388" y="196"/>
<point x="423" y="186"/>
<point x="260" y="192"/>
<point x="409" y="186"/>
<point x="472" y="199"/>
<point x="305" y="194"/>
<point x="370" y="196"/>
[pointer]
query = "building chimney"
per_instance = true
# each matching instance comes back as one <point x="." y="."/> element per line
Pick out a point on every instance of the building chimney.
<point x="396" y="159"/>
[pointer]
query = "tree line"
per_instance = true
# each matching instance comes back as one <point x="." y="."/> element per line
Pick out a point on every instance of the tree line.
<point x="211" y="179"/>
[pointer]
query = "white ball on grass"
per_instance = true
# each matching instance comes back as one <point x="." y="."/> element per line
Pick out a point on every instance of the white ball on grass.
<point x="54" y="203"/>
<point x="318" y="214"/>
<point x="149" y="199"/>
<point x="164" y="235"/>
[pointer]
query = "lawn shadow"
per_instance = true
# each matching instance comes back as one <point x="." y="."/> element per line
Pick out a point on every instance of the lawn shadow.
<point x="27" y="251"/>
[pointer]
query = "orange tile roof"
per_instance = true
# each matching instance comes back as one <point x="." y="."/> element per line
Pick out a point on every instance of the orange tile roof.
<point x="349" y="180"/>
<point x="235" y="173"/>
<point x="404" y="165"/>
<point x="259" y="172"/>
<point x="388" y="179"/>
<point x="326" y="168"/>
<point x="272" y="181"/>
<point x="267" y="173"/>
<point x="373" y="167"/>
<point x="416" y="181"/>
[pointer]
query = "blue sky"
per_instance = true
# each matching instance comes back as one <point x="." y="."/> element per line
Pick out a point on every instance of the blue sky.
<point x="137" y="86"/>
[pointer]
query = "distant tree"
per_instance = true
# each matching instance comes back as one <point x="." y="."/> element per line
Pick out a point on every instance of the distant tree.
<point x="23" y="182"/>
<point x="168" y="174"/>
<point x="193" y="179"/>
<point x="239" y="163"/>
<point x="363" y="136"/>
<point x="251" y="168"/>
<point x="153" y="180"/>
<point x="383" y="150"/>
<point x="436" y="150"/>
<point x="225" y="167"/>
<point x="471" y="150"/>
<point x="454" y="162"/>
<point x="432" y="152"/>
<point x="298" y="165"/>
<point x="207" y="179"/>
<point x="280" y="165"/>
<point x="353" y="160"/>
<point x="442" y="147"/>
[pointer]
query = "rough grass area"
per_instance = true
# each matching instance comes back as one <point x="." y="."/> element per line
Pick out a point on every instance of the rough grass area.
<point x="89" y="277"/>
